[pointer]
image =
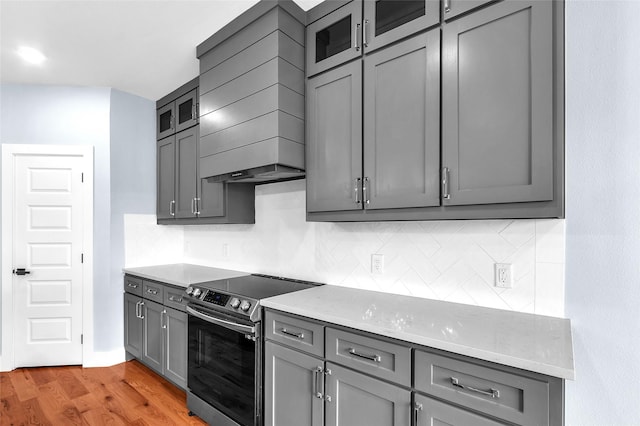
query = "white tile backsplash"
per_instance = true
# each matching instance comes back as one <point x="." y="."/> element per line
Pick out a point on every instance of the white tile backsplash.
<point x="446" y="260"/>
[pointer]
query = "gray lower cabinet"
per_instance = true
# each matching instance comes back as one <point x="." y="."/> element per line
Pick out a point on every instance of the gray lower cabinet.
<point x="357" y="399"/>
<point x="132" y="325"/>
<point x="155" y="327"/>
<point x="430" y="412"/>
<point x="291" y="387"/>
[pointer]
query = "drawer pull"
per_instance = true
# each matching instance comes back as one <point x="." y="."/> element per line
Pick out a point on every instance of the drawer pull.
<point x="152" y="291"/>
<point x="374" y="358"/>
<point x="493" y="393"/>
<point x="132" y="285"/>
<point x="175" y="299"/>
<point x="317" y="380"/>
<point x="292" y="334"/>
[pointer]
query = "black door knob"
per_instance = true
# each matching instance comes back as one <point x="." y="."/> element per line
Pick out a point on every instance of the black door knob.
<point x="21" y="271"/>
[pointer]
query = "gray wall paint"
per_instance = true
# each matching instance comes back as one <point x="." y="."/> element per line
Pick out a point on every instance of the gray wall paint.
<point x="603" y="201"/>
<point x="133" y="190"/>
<point x="60" y="115"/>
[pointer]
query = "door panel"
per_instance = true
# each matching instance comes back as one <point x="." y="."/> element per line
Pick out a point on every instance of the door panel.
<point x="186" y="173"/>
<point x="186" y="111"/>
<point x="434" y="413"/>
<point x="47" y="236"/>
<point x="498" y="104"/>
<point x="387" y="21"/>
<point x="165" y="125"/>
<point x="334" y="139"/>
<point x="402" y="124"/>
<point x="290" y="382"/>
<point x="152" y="335"/>
<point x="175" y="327"/>
<point x="166" y="178"/>
<point x="132" y="326"/>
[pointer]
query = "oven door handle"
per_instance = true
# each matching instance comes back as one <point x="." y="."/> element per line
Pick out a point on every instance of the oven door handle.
<point x="240" y="328"/>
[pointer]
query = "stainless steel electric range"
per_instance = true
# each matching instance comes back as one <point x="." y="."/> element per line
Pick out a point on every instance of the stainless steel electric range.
<point x="224" y="374"/>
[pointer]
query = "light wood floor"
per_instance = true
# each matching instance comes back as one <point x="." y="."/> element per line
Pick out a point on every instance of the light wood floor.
<point x="125" y="394"/>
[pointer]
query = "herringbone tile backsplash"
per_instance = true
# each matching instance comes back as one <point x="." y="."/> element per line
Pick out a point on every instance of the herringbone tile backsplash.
<point x="444" y="260"/>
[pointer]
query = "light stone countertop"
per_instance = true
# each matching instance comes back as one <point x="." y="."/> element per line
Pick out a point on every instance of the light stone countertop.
<point x="183" y="274"/>
<point x="531" y="342"/>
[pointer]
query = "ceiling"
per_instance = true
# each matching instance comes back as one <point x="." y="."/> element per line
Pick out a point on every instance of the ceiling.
<point x="143" y="47"/>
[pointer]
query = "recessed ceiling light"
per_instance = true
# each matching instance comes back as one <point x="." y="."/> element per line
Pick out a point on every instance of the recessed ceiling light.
<point x="31" y="55"/>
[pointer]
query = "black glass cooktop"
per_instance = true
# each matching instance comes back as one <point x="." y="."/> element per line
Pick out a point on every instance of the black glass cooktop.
<point x="258" y="286"/>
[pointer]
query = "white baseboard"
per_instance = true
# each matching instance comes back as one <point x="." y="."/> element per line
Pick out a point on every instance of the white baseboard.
<point x="104" y="359"/>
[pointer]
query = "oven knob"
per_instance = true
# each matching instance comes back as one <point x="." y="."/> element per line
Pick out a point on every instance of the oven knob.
<point x="245" y="305"/>
<point x="235" y="302"/>
<point x="189" y="291"/>
<point x="197" y="292"/>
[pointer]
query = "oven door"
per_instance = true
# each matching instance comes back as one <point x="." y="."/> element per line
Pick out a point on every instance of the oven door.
<point x="224" y="366"/>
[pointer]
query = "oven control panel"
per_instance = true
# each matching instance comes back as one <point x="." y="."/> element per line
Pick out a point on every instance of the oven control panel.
<point x="216" y="298"/>
<point x="223" y="300"/>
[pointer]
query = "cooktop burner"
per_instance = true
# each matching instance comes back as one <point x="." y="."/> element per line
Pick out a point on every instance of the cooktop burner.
<point x="242" y="295"/>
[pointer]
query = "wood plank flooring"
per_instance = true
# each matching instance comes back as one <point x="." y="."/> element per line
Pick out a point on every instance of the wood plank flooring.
<point x="125" y="394"/>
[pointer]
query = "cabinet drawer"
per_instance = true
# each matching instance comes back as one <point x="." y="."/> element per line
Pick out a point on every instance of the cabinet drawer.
<point x="295" y="332"/>
<point x="153" y="291"/>
<point x="378" y="358"/>
<point x="133" y="285"/>
<point x="518" y="399"/>
<point x="174" y="298"/>
<point x="432" y="412"/>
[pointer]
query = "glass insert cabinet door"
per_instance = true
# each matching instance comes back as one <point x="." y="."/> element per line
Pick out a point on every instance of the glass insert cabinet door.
<point x="186" y="110"/>
<point x="363" y="26"/>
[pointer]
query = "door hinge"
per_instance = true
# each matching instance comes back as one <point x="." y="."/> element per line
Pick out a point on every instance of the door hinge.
<point x="81" y="257"/>
<point x="82" y="339"/>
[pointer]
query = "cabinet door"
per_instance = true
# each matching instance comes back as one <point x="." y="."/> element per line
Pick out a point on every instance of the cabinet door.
<point x="186" y="110"/>
<point x="386" y="21"/>
<point x="291" y="382"/>
<point x="334" y="139"/>
<point x="175" y="364"/>
<point x="452" y="8"/>
<point x="429" y="412"/>
<point x="132" y="325"/>
<point x="165" y="125"/>
<point x="498" y="105"/>
<point x="165" y="201"/>
<point x="335" y="38"/>
<point x="357" y="399"/>
<point x="152" y="335"/>
<point x="186" y="173"/>
<point x="211" y="197"/>
<point x="402" y="124"/>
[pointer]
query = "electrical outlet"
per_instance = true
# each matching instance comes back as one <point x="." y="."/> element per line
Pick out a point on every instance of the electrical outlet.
<point x="504" y="275"/>
<point x="225" y="250"/>
<point x="377" y="263"/>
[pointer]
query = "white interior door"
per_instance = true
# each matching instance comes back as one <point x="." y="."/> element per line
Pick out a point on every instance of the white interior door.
<point x="47" y="243"/>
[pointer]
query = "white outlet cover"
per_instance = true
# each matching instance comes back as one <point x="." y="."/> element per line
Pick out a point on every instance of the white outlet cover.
<point x="504" y="275"/>
<point x="377" y="263"/>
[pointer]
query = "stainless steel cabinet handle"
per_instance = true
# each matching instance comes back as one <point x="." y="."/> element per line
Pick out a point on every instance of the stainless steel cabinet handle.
<point x="171" y="122"/>
<point x="374" y="358"/>
<point x="292" y="334"/>
<point x="357" y="191"/>
<point x="152" y="291"/>
<point x="355" y="37"/>
<point x="447" y="6"/>
<point x="445" y="184"/>
<point x="193" y="111"/>
<point x="193" y="206"/>
<point x="493" y="393"/>
<point x="198" y="206"/>
<point x="137" y="309"/>
<point x="141" y="310"/>
<point x="416" y="410"/>
<point x="365" y="195"/>
<point x="132" y="285"/>
<point x="163" y="319"/>
<point x="175" y="299"/>
<point x="172" y="210"/>
<point x="364" y="33"/>
<point x="317" y="378"/>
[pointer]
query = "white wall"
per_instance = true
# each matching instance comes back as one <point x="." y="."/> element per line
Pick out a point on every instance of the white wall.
<point x="61" y="115"/>
<point x="603" y="210"/>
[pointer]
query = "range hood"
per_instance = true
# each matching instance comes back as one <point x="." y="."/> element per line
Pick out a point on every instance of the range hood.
<point x="258" y="175"/>
<point x="252" y="96"/>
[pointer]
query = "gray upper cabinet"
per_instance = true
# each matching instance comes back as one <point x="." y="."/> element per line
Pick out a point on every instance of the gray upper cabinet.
<point x="498" y="117"/>
<point x="453" y="8"/>
<point x="402" y="124"/>
<point x="186" y="110"/>
<point x="186" y="175"/>
<point x="165" y="155"/>
<point x="165" y="125"/>
<point x="386" y="21"/>
<point x="334" y="139"/>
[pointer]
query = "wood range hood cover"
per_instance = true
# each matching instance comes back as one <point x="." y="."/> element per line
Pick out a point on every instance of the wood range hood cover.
<point x="252" y="96"/>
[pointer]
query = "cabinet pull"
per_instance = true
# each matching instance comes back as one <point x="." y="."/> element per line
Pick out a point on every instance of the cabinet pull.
<point x="355" y="37"/>
<point x="137" y="309"/>
<point x="197" y="206"/>
<point x="416" y="410"/>
<point x="357" y="191"/>
<point x="374" y="358"/>
<point x="317" y="378"/>
<point x="447" y="6"/>
<point x="141" y="311"/>
<point x="175" y="299"/>
<point x="152" y="291"/>
<point x="172" y="210"/>
<point x="292" y="334"/>
<point x="364" y="33"/>
<point x="445" y="184"/>
<point x="193" y="111"/>
<point x="163" y="319"/>
<point x="365" y="195"/>
<point x="193" y="206"/>
<point x="132" y="285"/>
<point x="493" y="393"/>
<point x="171" y="122"/>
